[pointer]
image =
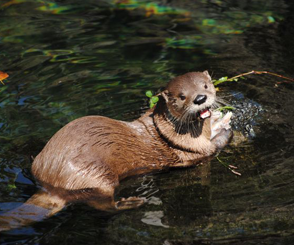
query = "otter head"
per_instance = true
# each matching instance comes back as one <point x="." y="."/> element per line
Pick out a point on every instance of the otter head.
<point x="190" y="96"/>
<point x="182" y="115"/>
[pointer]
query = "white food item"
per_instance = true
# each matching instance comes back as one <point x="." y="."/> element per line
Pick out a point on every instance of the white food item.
<point x="217" y="122"/>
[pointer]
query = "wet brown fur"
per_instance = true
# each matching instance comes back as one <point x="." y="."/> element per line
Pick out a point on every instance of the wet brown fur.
<point x="87" y="158"/>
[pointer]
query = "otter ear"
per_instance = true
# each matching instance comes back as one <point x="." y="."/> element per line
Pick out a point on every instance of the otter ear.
<point x="207" y="74"/>
<point x="164" y="94"/>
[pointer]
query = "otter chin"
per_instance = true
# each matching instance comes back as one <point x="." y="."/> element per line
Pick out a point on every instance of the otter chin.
<point x="87" y="158"/>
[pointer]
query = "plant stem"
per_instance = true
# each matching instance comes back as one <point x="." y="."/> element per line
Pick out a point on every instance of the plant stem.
<point x="258" y="73"/>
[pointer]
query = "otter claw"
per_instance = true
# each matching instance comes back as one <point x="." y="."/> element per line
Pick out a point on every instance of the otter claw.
<point x="129" y="203"/>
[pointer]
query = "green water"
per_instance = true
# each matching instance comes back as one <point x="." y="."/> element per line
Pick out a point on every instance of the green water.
<point x="68" y="59"/>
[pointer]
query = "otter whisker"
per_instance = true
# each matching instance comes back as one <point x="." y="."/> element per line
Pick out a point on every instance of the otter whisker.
<point x="186" y="123"/>
<point x="222" y="101"/>
<point x="183" y="119"/>
<point x="215" y="105"/>
<point x="178" y="123"/>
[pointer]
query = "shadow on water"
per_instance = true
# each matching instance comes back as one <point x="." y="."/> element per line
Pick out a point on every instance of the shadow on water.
<point x="72" y="59"/>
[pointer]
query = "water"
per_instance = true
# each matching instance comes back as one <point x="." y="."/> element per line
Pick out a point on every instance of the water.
<point x="70" y="59"/>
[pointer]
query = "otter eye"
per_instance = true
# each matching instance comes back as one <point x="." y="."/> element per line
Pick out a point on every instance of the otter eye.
<point x="205" y="86"/>
<point x="182" y="97"/>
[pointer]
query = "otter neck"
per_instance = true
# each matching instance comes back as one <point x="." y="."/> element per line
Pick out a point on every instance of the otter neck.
<point x="193" y="136"/>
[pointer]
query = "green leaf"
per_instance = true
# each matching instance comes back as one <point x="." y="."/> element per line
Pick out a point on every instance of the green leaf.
<point x="149" y="94"/>
<point x="151" y="104"/>
<point x="230" y="108"/>
<point x="221" y="80"/>
<point x="154" y="99"/>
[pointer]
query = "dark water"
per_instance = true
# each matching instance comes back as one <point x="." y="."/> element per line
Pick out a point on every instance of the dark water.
<point x="67" y="59"/>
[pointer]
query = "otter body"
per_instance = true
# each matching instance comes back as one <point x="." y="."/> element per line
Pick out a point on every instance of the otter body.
<point x="96" y="152"/>
<point x="86" y="159"/>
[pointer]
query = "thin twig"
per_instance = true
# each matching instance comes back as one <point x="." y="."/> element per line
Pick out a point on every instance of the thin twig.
<point x="228" y="166"/>
<point x="259" y="73"/>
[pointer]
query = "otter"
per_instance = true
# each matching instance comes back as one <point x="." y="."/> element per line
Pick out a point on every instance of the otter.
<point x="87" y="158"/>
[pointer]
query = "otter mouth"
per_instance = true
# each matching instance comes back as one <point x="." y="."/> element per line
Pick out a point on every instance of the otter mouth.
<point x="206" y="113"/>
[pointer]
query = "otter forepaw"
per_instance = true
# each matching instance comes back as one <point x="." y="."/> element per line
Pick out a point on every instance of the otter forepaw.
<point x="222" y="138"/>
<point x="129" y="203"/>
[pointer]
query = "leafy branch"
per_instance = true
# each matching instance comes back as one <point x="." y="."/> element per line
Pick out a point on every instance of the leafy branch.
<point x="236" y="78"/>
<point x="153" y="98"/>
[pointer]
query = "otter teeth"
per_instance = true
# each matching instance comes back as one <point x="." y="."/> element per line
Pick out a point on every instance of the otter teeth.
<point x="205" y="113"/>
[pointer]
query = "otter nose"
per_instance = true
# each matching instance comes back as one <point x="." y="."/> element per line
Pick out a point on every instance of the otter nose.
<point x="200" y="99"/>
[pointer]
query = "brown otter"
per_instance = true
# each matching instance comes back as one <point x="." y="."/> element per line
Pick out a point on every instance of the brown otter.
<point x="86" y="159"/>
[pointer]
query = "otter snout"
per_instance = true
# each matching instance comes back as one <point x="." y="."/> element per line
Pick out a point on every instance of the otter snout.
<point x="200" y="99"/>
